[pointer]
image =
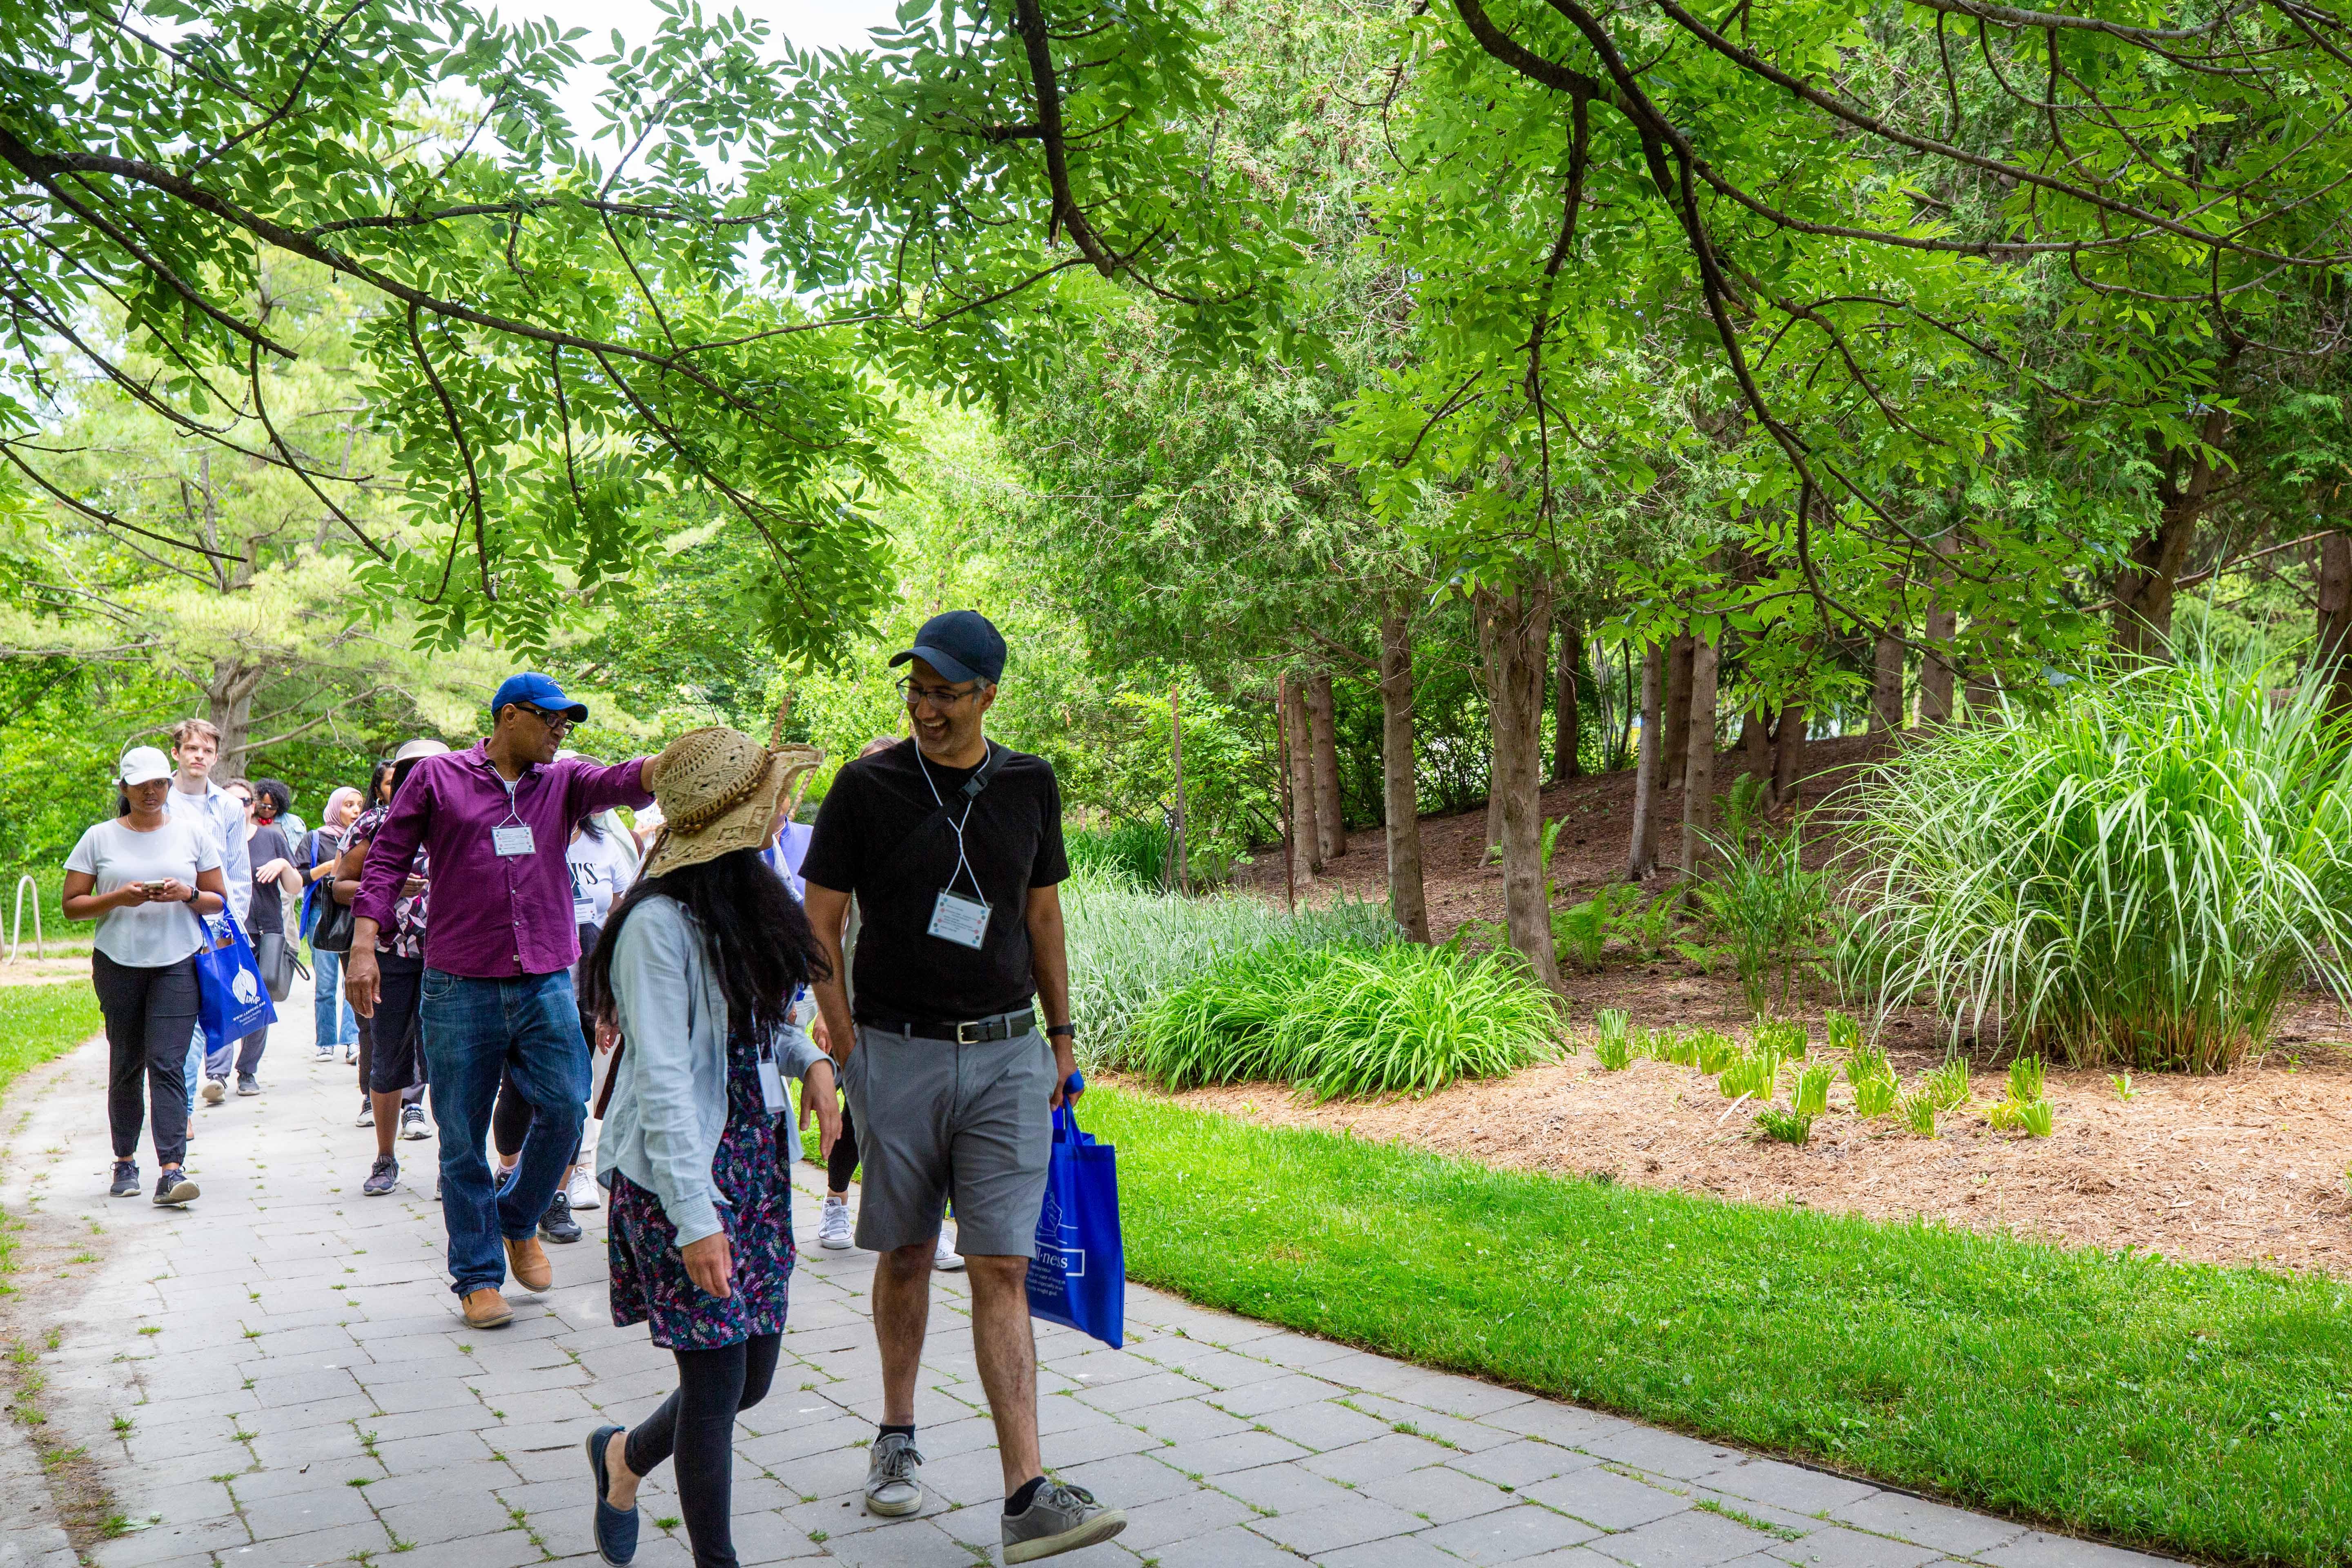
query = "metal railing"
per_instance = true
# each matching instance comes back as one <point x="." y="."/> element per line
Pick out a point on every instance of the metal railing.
<point x="17" y="936"/>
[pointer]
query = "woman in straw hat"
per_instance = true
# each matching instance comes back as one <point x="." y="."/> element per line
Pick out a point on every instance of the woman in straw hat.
<point x="696" y="969"/>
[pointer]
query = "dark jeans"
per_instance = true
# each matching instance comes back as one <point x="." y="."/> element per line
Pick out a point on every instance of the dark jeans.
<point x="476" y="1031"/>
<point x="149" y="1015"/>
<point x="696" y="1423"/>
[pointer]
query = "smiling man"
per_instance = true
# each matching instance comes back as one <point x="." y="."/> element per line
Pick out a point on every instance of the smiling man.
<point x="499" y="944"/>
<point x="953" y="846"/>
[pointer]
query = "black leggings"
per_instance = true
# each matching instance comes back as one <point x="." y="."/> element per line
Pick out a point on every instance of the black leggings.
<point x="150" y="1013"/>
<point x="510" y="1117"/>
<point x="696" y="1424"/>
<point x="842" y="1164"/>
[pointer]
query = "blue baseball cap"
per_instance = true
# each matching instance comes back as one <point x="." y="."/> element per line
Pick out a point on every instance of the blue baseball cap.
<point x="961" y="645"/>
<point x="540" y="691"/>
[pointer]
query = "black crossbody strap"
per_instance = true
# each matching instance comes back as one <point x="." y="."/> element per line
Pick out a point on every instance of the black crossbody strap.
<point x="961" y="800"/>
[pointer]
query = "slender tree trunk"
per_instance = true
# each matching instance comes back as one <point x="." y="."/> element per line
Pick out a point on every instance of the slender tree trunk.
<point x="1515" y="631"/>
<point x="1642" y="850"/>
<point x="1677" y="728"/>
<point x="1698" y="775"/>
<point x="1400" y="792"/>
<point x="1323" y="727"/>
<point x="1179" y="871"/>
<point x="1789" y="754"/>
<point x="1305" y="852"/>
<point x="1940" y="625"/>
<point x="1755" y="745"/>
<point x="228" y="703"/>
<point x="1567" y="724"/>
<point x="2335" y="639"/>
<point x="1886" y="683"/>
<point x="2145" y="589"/>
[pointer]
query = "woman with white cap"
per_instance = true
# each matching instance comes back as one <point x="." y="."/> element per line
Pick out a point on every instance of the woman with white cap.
<point x="696" y="971"/>
<point x="148" y="878"/>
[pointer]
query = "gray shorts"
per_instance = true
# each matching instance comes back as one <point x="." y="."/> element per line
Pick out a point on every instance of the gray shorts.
<point x="938" y="1121"/>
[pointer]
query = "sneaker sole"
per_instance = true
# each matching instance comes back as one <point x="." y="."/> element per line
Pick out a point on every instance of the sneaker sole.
<point x="247" y="1093"/>
<point x="212" y="1094"/>
<point x="895" y="1510"/>
<point x="179" y="1196"/>
<point x="836" y="1245"/>
<point x="1092" y="1532"/>
<point x="415" y="1135"/>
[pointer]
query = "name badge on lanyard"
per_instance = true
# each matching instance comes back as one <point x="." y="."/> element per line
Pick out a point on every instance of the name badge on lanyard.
<point x="771" y="1085"/>
<point x="512" y="839"/>
<point x="958" y="919"/>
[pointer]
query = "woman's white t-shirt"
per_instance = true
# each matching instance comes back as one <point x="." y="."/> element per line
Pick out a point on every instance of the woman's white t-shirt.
<point x="602" y="871"/>
<point x="147" y="936"/>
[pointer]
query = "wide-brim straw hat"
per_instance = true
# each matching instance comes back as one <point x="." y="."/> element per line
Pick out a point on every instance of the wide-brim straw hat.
<point x="718" y="791"/>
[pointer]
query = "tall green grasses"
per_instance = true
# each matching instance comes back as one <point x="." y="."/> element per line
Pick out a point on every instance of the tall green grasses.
<point x="1135" y="852"/>
<point x="1771" y="912"/>
<point x="1128" y="945"/>
<point x="1339" y="1022"/>
<point x="2134" y="879"/>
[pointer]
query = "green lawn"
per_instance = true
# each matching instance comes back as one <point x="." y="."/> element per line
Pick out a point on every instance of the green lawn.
<point x="39" y="1023"/>
<point x="2201" y="1410"/>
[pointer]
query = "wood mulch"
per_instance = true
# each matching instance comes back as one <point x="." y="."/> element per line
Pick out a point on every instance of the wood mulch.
<point x="2250" y="1167"/>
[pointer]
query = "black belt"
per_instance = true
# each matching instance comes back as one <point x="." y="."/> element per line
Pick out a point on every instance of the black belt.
<point x="970" y="1032"/>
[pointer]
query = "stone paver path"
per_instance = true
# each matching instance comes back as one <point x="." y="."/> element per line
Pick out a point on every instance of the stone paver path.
<point x="298" y="1391"/>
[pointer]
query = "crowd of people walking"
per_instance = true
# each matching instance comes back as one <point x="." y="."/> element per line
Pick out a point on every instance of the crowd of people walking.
<point x="487" y="931"/>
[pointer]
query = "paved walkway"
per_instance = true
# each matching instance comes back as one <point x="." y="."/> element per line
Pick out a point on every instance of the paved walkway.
<point x="298" y="1391"/>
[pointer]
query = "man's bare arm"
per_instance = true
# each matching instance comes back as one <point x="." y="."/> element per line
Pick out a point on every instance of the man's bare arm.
<point x="1049" y="967"/>
<point x="828" y="913"/>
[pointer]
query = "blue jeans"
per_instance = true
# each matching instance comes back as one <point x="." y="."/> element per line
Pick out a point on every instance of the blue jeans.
<point x="332" y="1021"/>
<point x="474" y="1029"/>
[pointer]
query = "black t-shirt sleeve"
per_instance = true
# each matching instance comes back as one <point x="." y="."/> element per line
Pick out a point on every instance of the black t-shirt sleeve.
<point x="1051" y="864"/>
<point x="835" y="855"/>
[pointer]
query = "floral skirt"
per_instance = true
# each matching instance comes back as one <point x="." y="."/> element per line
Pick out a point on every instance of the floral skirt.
<point x="649" y="1282"/>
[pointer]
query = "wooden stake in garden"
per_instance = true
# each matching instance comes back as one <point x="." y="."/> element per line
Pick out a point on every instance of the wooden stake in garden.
<point x="1176" y="763"/>
<point x="1282" y="776"/>
<point x="1698" y="777"/>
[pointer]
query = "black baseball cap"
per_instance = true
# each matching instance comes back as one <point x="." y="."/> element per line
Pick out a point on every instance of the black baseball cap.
<point x="961" y="645"/>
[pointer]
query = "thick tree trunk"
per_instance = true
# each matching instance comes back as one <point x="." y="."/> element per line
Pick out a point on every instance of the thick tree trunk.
<point x="1755" y="745"/>
<point x="1566" y="732"/>
<point x="2145" y="589"/>
<point x="1938" y="628"/>
<point x="1515" y="631"/>
<point x="1698" y="777"/>
<point x="1886" y="683"/>
<point x="1399" y="793"/>
<point x="228" y="703"/>
<point x="1642" y="848"/>
<point x="1306" y="852"/>
<point x="1323" y="729"/>
<point x="1789" y="754"/>
<point x="2335" y="639"/>
<point x="1676" y="729"/>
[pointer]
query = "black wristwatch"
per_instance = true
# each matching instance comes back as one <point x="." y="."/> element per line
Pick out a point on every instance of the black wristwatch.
<point x="194" y="893"/>
<point x="1056" y="1031"/>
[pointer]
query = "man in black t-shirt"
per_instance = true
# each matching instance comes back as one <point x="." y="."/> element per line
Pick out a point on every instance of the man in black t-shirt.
<point x="953" y="845"/>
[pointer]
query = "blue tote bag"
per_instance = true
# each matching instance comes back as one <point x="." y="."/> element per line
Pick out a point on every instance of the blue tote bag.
<point x="1078" y="1277"/>
<point x="232" y="1000"/>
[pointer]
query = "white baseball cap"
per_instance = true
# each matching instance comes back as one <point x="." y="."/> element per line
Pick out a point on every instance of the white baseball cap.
<point x="142" y="764"/>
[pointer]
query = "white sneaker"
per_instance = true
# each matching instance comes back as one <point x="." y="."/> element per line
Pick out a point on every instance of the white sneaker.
<point x="945" y="1258"/>
<point x="326" y="1052"/>
<point x="832" y="1230"/>
<point x="581" y="1192"/>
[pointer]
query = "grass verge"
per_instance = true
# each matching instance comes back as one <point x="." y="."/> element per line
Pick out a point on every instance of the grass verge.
<point x="41" y="1023"/>
<point x="2201" y="1410"/>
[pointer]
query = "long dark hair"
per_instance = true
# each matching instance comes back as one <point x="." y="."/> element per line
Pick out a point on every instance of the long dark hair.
<point x="375" y="785"/>
<point x="761" y="941"/>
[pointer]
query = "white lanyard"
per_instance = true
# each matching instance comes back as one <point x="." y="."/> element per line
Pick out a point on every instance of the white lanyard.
<point x="513" y="836"/>
<point x="963" y="866"/>
<point x="955" y="918"/>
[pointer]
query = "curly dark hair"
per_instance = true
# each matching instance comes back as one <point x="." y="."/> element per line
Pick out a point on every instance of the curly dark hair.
<point x="761" y="941"/>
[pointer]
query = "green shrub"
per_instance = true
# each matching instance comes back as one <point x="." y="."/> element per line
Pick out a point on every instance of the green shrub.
<point x="2134" y="878"/>
<point x="1873" y="1096"/>
<point x="2037" y="1117"/>
<point x="2025" y="1080"/>
<point x="1865" y="1062"/>
<point x="1580" y="931"/>
<point x="1784" y="1036"/>
<point x="1947" y="1086"/>
<point x="1918" y="1111"/>
<point x="1785" y="1126"/>
<point x="1339" y="1022"/>
<point x="1812" y="1091"/>
<point x="1841" y="1031"/>
<point x="1713" y="1051"/>
<point x="1757" y="1074"/>
<point x="1768" y="909"/>
<point x="1610" y="1046"/>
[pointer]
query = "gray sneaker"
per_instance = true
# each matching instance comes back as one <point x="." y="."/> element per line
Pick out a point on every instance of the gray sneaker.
<point x="1058" y="1519"/>
<point x="891" y="1489"/>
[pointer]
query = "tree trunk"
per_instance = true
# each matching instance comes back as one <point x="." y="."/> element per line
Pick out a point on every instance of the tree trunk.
<point x="1323" y="729"/>
<point x="1789" y="754"/>
<point x="1399" y="793"/>
<point x="1755" y="745"/>
<point x="2145" y="589"/>
<point x="1642" y="850"/>
<point x="1306" y="855"/>
<point x="1938" y="629"/>
<point x="1698" y="777"/>
<point x="1515" y="631"/>
<point x="1677" y="728"/>
<point x="2335" y="639"/>
<point x="1886" y="683"/>
<point x="1566" y="731"/>
<point x="228" y="703"/>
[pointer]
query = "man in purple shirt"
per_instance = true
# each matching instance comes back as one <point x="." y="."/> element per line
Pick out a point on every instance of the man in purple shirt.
<point x="499" y="944"/>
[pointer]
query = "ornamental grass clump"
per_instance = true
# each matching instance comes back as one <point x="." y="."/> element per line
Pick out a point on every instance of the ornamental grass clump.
<point x="1610" y="1048"/>
<point x="1811" y="1095"/>
<point x="1339" y="1022"/>
<point x="1841" y="1031"/>
<point x="1713" y="1052"/>
<point x="1875" y="1096"/>
<point x="2133" y="879"/>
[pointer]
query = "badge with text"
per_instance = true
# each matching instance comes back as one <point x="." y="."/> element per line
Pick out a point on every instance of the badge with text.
<point x="772" y="1087"/>
<point x="512" y="839"/>
<point x="958" y="919"/>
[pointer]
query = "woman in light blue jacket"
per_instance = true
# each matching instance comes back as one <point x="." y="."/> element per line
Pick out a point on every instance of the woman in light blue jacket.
<point x="695" y="971"/>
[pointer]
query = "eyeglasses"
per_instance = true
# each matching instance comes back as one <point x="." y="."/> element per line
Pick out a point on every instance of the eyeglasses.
<point x="938" y="696"/>
<point x="558" y="724"/>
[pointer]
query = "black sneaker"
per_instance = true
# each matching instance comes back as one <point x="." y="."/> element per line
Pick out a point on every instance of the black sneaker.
<point x="381" y="1176"/>
<point x="247" y="1084"/>
<point x="172" y="1189"/>
<point x="412" y="1123"/>
<point x="126" y="1180"/>
<point x="557" y="1224"/>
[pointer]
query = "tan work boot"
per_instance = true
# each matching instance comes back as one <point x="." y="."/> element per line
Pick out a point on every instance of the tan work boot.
<point x="527" y="1261"/>
<point x="486" y="1309"/>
